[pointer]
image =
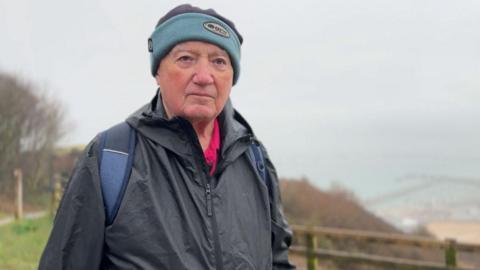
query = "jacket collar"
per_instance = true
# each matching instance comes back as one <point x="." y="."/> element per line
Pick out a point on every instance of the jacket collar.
<point x="151" y="121"/>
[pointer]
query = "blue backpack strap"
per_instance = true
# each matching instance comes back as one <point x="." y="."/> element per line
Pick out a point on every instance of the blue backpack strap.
<point x="117" y="145"/>
<point x="257" y="158"/>
<point x="255" y="153"/>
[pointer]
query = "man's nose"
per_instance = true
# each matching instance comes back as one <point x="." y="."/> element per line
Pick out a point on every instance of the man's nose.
<point x="203" y="73"/>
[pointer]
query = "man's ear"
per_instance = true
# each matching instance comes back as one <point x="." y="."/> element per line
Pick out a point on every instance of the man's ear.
<point x="157" y="78"/>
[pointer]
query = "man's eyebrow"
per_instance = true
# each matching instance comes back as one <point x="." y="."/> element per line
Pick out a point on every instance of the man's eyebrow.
<point x="179" y="50"/>
<point x="220" y="52"/>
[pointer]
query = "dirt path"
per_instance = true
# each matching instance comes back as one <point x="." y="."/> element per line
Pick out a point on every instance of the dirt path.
<point x="31" y="215"/>
<point x="6" y="220"/>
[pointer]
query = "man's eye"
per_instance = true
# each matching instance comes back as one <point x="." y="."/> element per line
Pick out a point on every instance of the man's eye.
<point x="185" y="58"/>
<point x="219" y="61"/>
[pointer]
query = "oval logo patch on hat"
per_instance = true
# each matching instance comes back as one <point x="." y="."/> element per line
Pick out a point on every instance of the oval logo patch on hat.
<point x="150" y="45"/>
<point x="216" y="29"/>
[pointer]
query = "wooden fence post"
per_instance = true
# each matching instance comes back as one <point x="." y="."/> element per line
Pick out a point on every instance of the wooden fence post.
<point x="451" y="253"/>
<point x="18" y="194"/>
<point x="311" y="248"/>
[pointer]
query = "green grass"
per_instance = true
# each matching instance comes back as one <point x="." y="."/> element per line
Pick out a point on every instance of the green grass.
<point x="22" y="243"/>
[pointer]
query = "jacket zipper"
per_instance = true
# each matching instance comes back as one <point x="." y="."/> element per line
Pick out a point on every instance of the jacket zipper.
<point x="216" y="240"/>
<point x="208" y="192"/>
<point x="201" y="165"/>
<point x="211" y="214"/>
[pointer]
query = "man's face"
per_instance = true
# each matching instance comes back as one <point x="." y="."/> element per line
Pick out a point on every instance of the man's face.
<point x="195" y="80"/>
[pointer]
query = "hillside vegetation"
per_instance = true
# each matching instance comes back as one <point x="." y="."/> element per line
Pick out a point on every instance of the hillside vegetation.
<point x="306" y="204"/>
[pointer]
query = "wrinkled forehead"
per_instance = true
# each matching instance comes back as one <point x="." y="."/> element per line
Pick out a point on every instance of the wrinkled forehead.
<point x="198" y="47"/>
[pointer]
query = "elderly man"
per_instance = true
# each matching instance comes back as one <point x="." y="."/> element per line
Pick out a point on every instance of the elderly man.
<point x="192" y="187"/>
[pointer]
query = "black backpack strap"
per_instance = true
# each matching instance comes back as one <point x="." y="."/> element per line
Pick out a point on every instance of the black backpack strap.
<point x="117" y="146"/>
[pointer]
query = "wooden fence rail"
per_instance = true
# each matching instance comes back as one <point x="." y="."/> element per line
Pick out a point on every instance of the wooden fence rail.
<point x="311" y="235"/>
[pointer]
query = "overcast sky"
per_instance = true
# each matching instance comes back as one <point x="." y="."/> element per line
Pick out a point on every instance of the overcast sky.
<point x="355" y="92"/>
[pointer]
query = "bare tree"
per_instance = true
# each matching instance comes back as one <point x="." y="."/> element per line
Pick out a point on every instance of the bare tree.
<point x="31" y="123"/>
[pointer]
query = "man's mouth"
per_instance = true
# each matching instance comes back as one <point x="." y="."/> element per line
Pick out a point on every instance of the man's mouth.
<point x="199" y="94"/>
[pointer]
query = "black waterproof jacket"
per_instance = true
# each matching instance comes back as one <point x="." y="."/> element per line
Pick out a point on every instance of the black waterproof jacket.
<point x="173" y="214"/>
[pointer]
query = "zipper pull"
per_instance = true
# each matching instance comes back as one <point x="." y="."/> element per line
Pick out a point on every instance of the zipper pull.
<point x="208" y="192"/>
